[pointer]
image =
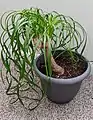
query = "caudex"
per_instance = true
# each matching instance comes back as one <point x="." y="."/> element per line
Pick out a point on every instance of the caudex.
<point x="55" y="67"/>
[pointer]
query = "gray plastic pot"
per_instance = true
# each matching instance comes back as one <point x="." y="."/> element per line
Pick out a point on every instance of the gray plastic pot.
<point x="60" y="90"/>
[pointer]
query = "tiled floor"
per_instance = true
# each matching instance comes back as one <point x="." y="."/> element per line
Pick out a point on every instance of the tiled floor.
<point x="80" y="108"/>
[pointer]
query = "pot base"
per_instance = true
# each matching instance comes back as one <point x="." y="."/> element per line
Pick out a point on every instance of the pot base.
<point x="61" y="94"/>
<point x="65" y="102"/>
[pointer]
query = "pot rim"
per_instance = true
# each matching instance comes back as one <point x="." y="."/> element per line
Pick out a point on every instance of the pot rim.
<point x="62" y="80"/>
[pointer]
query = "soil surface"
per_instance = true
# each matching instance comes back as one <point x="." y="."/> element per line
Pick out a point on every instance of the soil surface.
<point x="72" y="68"/>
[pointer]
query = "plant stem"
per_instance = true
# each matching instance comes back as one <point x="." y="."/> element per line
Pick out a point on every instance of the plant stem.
<point x="55" y="67"/>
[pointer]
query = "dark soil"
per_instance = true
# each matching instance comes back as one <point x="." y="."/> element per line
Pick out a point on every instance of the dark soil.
<point x="72" y="68"/>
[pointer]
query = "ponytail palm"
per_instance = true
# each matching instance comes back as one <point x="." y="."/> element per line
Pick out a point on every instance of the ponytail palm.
<point x="24" y="32"/>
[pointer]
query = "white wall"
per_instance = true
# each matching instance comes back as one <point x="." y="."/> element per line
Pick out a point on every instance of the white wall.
<point x="80" y="10"/>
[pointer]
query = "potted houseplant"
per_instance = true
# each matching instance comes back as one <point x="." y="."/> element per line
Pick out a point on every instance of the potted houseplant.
<point x="60" y="41"/>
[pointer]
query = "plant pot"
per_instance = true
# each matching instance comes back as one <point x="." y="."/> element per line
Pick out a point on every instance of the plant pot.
<point x="60" y="90"/>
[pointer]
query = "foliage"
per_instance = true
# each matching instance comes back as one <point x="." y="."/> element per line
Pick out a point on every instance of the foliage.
<point x="19" y="30"/>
